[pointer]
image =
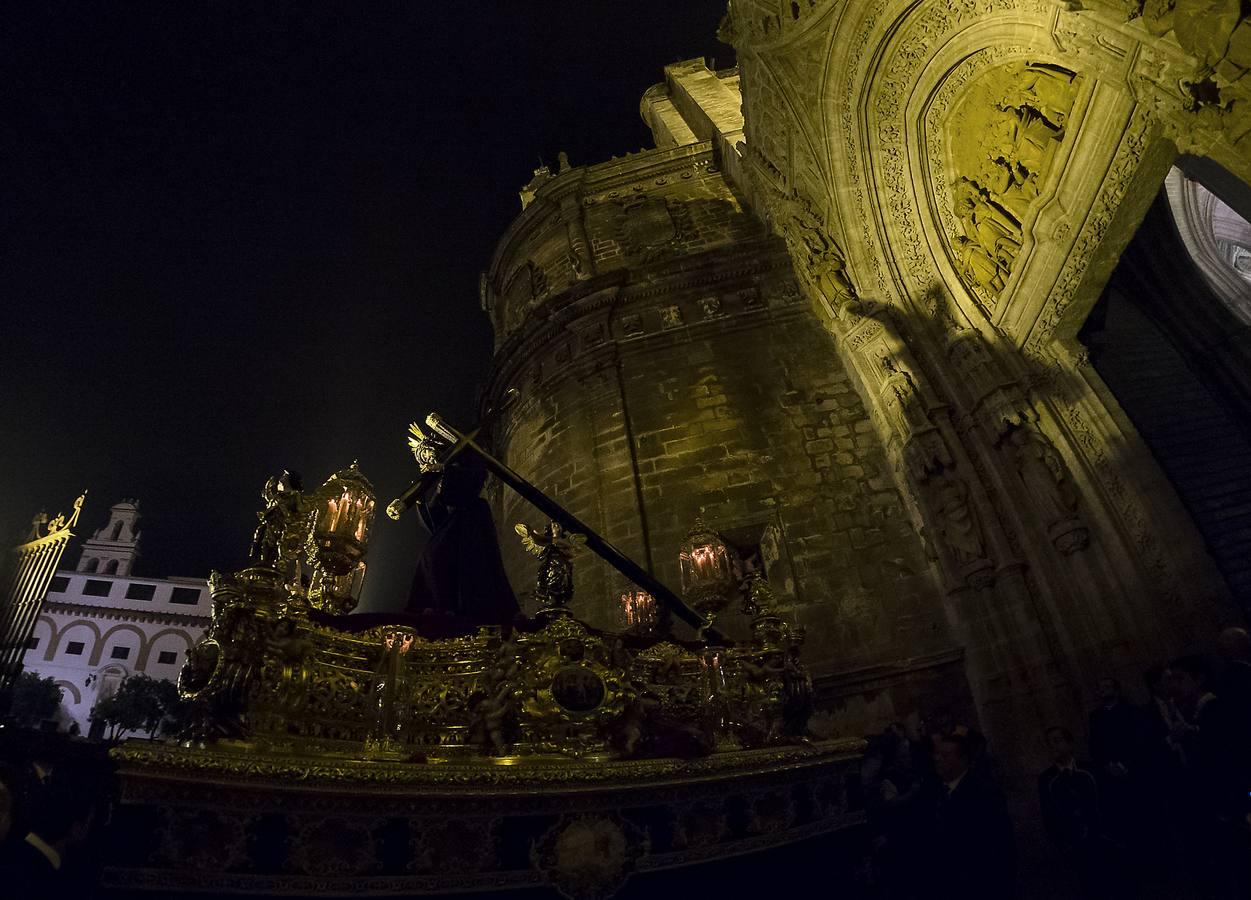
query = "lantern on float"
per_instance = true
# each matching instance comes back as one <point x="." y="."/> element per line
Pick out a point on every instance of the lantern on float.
<point x="637" y="611"/>
<point x="343" y="513"/>
<point x="707" y="574"/>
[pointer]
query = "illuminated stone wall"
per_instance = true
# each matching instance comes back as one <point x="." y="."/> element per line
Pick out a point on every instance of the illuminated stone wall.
<point x="668" y="365"/>
<point x="956" y="183"/>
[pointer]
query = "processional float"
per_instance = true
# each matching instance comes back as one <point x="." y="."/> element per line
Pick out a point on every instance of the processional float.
<point x="405" y="758"/>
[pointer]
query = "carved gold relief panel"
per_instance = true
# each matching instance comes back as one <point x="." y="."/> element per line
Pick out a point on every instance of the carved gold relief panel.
<point x="1000" y="140"/>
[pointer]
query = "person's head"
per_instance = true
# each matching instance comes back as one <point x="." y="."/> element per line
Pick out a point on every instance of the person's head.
<point x="1234" y="645"/>
<point x="1109" y="691"/>
<point x="1061" y="744"/>
<point x="1187" y="680"/>
<point x="951" y="756"/>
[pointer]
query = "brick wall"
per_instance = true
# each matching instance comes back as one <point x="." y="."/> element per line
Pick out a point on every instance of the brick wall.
<point x="686" y="375"/>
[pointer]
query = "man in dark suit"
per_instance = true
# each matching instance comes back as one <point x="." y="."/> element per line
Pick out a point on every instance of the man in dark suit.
<point x="971" y="847"/>
<point x="1217" y="751"/>
<point x="1069" y="796"/>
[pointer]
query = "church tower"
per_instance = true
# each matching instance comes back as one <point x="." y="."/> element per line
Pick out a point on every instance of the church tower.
<point x="669" y="371"/>
<point x="113" y="549"/>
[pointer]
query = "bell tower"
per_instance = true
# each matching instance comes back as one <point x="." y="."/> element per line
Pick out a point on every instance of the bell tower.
<point x="113" y="549"/>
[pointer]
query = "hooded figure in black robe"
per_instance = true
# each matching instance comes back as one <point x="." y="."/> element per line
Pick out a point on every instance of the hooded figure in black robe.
<point x="460" y="582"/>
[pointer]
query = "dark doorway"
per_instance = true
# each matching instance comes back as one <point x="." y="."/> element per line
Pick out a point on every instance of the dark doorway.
<point x="1171" y="337"/>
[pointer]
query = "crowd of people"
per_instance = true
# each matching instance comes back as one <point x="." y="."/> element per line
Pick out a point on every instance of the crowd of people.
<point x="1156" y="804"/>
<point x="1160" y="806"/>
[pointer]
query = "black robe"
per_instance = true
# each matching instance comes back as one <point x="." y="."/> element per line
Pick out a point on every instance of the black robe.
<point x="460" y="582"/>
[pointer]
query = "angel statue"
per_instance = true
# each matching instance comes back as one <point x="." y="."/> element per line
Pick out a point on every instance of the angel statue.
<point x="555" y="549"/>
<point x="460" y="583"/>
<point x="282" y="505"/>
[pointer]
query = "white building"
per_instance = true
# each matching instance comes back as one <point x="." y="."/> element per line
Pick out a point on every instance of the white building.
<point x="100" y="623"/>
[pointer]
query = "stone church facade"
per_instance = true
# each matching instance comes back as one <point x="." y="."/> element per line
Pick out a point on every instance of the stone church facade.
<point x="845" y="310"/>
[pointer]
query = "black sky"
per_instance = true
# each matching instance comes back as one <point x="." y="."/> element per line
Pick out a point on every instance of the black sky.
<point x="238" y="238"/>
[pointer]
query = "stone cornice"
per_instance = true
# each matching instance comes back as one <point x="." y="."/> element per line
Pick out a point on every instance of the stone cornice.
<point x="113" y="613"/>
<point x="588" y="180"/>
<point x="627" y="288"/>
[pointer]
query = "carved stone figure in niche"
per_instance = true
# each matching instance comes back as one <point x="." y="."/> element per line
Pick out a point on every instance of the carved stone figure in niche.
<point x="819" y="255"/>
<point x="1048" y="486"/>
<point x="282" y="505"/>
<point x="957" y="527"/>
<point x="991" y="239"/>
<point x="904" y="401"/>
<point x="1002" y="405"/>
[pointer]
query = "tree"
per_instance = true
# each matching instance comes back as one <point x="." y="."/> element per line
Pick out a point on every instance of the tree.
<point x="140" y="703"/>
<point x="34" y="699"/>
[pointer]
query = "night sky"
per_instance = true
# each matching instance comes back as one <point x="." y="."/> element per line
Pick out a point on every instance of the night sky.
<point x="242" y="238"/>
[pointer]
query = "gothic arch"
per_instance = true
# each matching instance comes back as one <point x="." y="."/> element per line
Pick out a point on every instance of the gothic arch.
<point x="99" y="649"/>
<point x="142" y="663"/>
<point x="59" y="638"/>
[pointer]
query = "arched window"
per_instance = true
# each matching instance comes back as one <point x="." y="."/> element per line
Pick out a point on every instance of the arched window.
<point x="110" y="567"/>
<point x="93" y="565"/>
<point x="117" y="531"/>
<point x="1217" y="238"/>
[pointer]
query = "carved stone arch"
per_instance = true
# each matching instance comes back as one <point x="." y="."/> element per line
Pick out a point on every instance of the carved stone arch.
<point x="911" y="61"/>
<point x="56" y="642"/>
<point x="968" y="122"/>
<point x="99" y="648"/>
<point x="142" y="662"/>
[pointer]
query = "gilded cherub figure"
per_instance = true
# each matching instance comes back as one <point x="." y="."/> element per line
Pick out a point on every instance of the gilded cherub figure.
<point x="555" y="549"/>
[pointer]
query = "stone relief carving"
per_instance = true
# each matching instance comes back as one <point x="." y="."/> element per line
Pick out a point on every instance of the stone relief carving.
<point x="1001" y="137"/>
<point x="903" y="400"/>
<point x="815" y="252"/>
<point x="955" y="536"/>
<point x="1050" y="489"/>
<point x="650" y="227"/>
<point x="997" y="400"/>
<point x="953" y="529"/>
<point x="671" y="317"/>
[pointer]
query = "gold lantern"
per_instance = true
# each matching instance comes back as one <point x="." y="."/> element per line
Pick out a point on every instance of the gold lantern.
<point x="343" y="512"/>
<point x="637" y="611"/>
<point x="707" y="573"/>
